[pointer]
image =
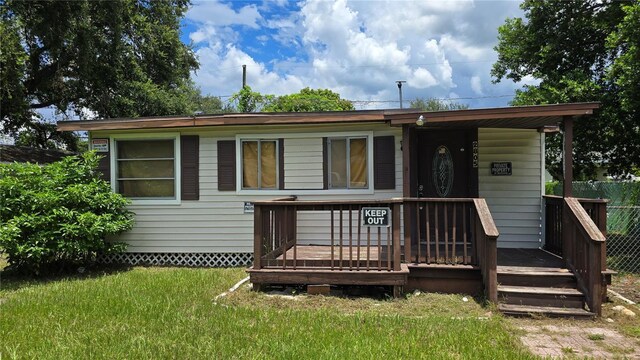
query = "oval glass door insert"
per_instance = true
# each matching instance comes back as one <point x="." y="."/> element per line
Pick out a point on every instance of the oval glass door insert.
<point x="442" y="171"/>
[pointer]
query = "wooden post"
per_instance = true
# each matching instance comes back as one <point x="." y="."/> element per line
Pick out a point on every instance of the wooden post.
<point x="595" y="277"/>
<point x="406" y="190"/>
<point x="567" y="189"/>
<point x="491" y="254"/>
<point x="601" y="209"/>
<point x="396" y="236"/>
<point x="257" y="237"/>
<point x="567" y="184"/>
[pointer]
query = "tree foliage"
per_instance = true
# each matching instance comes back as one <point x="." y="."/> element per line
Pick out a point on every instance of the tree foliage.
<point x="248" y="100"/>
<point x="580" y="51"/>
<point x="120" y="58"/>
<point x="58" y="214"/>
<point x="433" y="104"/>
<point x="309" y="100"/>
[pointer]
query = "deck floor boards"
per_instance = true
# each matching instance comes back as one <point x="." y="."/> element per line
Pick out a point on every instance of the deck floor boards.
<point x="532" y="258"/>
<point x="323" y="252"/>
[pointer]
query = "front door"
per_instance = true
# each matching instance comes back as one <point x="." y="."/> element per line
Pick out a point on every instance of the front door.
<point x="444" y="164"/>
<point x="445" y="170"/>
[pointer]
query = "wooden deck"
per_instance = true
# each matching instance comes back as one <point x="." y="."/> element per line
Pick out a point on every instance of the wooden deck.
<point x="532" y="258"/>
<point x="333" y="258"/>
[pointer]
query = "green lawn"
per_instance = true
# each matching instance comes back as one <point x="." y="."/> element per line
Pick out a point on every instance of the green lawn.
<point x="169" y="313"/>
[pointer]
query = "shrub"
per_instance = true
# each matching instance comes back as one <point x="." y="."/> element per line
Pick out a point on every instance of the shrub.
<point x="59" y="214"/>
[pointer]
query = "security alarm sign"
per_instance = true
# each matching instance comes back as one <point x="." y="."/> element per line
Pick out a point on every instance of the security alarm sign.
<point x="376" y="216"/>
<point x="100" y="145"/>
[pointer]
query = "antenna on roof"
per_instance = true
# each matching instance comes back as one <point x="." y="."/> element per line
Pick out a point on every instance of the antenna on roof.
<point x="244" y="76"/>
<point x="399" y="82"/>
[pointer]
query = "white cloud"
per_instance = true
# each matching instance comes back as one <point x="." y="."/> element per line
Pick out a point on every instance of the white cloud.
<point x="476" y="85"/>
<point x="218" y="14"/>
<point x="356" y="48"/>
<point x="421" y="79"/>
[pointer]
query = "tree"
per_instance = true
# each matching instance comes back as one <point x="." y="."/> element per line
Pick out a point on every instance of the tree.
<point x="58" y="214"/>
<point x="309" y="100"/>
<point x="580" y="51"/>
<point x="433" y="104"/>
<point x="120" y="58"/>
<point x="205" y="104"/>
<point x="250" y="101"/>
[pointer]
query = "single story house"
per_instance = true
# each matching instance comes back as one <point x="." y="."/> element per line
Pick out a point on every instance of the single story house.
<point x="447" y="201"/>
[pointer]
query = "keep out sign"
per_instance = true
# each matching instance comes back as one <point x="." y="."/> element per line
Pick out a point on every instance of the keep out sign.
<point x="376" y="216"/>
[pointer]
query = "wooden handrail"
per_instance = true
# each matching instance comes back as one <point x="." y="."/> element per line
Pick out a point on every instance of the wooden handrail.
<point x="488" y="225"/>
<point x="587" y="226"/>
<point x="327" y="202"/>
<point x="583" y="250"/>
<point x="487" y="248"/>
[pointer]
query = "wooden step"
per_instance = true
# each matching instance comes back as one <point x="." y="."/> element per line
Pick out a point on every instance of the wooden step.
<point x="541" y="296"/>
<point x="502" y="268"/>
<point x="537" y="278"/>
<point x="524" y="310"/>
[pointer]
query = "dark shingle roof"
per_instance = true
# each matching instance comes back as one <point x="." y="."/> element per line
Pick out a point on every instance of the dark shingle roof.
<point x="11" y="153"/>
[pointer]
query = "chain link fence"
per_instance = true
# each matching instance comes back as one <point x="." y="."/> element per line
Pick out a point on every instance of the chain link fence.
<point x="623" y="219"/>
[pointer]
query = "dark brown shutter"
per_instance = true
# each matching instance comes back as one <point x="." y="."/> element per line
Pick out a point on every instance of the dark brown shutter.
<point x="104" y="164"/>
<point x="226" y="165"/>
<point x="325" y="164"/>
<point x="189" y="167"/>
<point x="281" y="164"/>
<point x="384" y="159"/>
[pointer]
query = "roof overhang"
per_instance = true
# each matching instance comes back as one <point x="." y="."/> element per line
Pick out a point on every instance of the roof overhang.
<point x="523" y="117"/>
<point x="519" y="117"/>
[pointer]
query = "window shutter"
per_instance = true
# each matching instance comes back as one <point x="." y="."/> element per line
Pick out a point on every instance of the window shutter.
<point x="325" y="164"/>
<point x="281" y="164"/>
<point x="384" y="159"/>
<point x="104" y="164"/>
<point x="189" y="167"/>
<point x="227" y="165"/>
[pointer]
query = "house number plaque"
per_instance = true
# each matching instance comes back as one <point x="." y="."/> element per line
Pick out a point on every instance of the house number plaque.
<point x="474" y="153"/>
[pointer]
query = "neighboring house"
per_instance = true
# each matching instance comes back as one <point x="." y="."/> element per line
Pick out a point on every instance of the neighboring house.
<point x="202" y="189"/>
<point x="12" y="153"/>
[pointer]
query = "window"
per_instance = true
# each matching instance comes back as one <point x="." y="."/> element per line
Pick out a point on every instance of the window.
<point x="348" y="168"/>
<point x="145" y="169"/>
<point x="259" y="164"/>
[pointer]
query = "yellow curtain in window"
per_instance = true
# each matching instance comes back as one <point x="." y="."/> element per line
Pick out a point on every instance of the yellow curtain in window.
<point x="250" y="164"/>
<point x="268" y="164"/>
<point x="338" y="163"/>
<point x="358" y="163"/>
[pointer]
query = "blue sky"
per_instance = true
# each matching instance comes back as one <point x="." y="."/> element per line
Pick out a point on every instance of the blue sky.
<point x="443" y="49"/>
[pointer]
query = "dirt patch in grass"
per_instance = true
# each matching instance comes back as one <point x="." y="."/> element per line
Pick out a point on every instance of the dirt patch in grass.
<point x="627" y="285"/>
<point x="613" y="335"/>
<point x="580" y="341"/>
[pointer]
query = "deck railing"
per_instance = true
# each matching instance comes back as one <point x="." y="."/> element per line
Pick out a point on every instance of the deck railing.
<point x="553" y="224"/>
<point x="330" y="235"/>
<point x="487" y="248"/>
<point x="583" y="247"/>
<point x="348" y="246"/>
<point x="452" y="231"/>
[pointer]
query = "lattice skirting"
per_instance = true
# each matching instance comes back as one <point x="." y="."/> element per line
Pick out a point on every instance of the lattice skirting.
<point x="179" y="259"/>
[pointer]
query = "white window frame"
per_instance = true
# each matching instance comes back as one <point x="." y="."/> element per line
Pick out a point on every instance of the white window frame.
<point x="176" y="163"/>
<point x="259" y="141"/>
<point x="319" y="135"/>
